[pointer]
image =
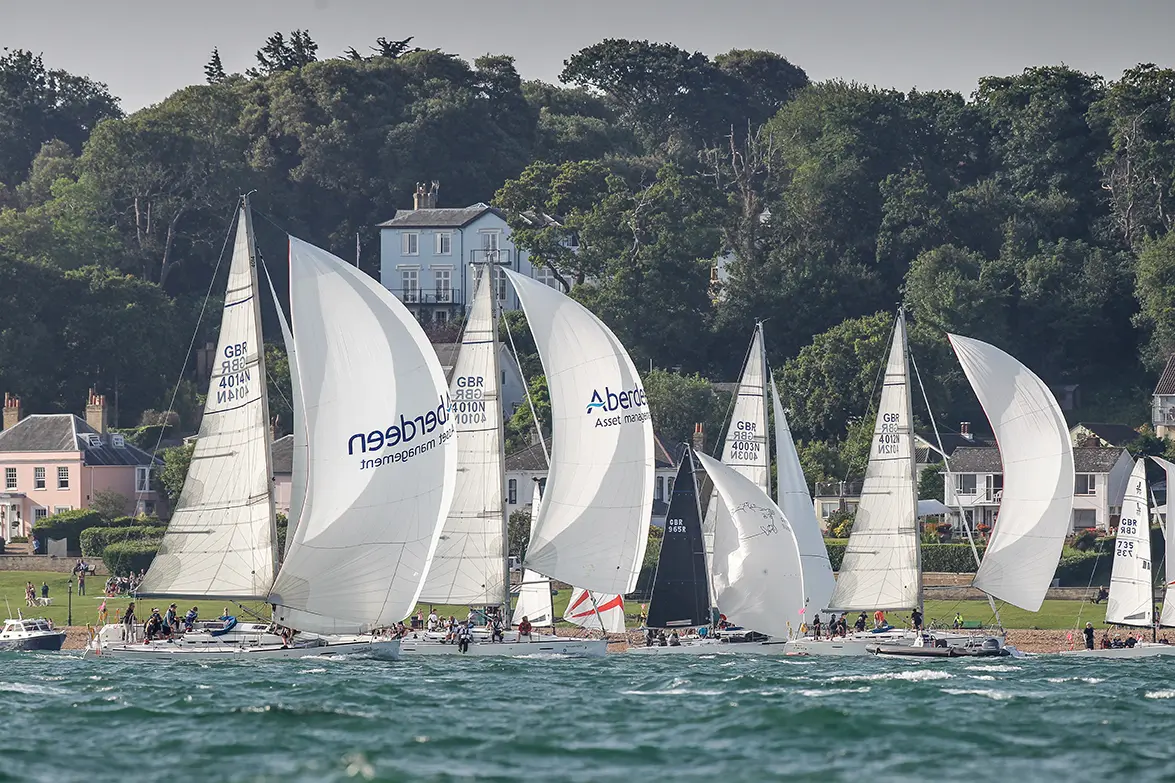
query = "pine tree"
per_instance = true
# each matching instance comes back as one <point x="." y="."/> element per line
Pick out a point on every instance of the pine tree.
<point x="214" y="70"/>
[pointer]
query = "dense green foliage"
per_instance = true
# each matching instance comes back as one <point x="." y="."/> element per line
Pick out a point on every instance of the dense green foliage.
<point x="1036" y="214"/>
<point x="67" y="525"/>
<point x="94" y="540"/>
<point x="131" y="556"/>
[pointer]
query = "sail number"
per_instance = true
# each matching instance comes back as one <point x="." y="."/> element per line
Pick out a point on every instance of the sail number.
<point x="1128" y="527"/>
<point x="675" y="526"/>
<point x="744" y="441"/>
<point x="235" y="374"/>
<point x="1125" y="549"/>
<point x="888" y="438"/>
<point x="468" y="397"/>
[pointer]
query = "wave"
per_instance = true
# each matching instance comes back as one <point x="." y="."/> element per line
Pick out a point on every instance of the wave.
<point x="1160" y="694"/>
<point x="991" y="694"/>
<point x="918" y="675"/>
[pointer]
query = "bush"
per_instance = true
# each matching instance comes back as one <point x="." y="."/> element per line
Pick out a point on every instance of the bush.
<point x="95" y="539"/>
<point x="123" y="558"/>
<point x="18" y="540"/>
<point x="1078" y="569"/>
<point x="840" y="524"/>
<point x="946" y="558"/>
<point x="67" y="525"/>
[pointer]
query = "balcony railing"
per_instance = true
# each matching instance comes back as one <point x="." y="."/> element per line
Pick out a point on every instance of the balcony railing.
<point x="500" y="256"/>
<point x="838" y="489"/>
<point x="429" y="296"/>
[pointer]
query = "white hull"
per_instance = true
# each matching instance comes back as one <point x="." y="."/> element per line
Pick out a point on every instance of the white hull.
<point x="413" y="645"/>
<point x="245" y="641"/>
<point x="857" y="644"/>
<point x="1144" y="650"/>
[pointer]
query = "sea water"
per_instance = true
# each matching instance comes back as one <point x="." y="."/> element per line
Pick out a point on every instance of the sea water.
<point x="621" y="718"/>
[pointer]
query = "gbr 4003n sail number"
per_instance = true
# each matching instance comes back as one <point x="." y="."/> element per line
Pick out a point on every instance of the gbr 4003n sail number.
<point x="234" y="374"/>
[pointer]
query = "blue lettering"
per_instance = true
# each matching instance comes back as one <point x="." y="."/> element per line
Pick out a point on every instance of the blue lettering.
<point x="375" y="440"/>
<point x="362" y="444"/>
<point x="393" y="435"/>
<point x="430" y="421"/>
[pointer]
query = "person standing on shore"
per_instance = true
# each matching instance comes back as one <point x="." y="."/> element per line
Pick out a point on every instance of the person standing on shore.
<point x="1088" y="636"/>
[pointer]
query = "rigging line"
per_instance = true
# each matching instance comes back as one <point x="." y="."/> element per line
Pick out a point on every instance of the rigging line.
<point x="195" y="335"/>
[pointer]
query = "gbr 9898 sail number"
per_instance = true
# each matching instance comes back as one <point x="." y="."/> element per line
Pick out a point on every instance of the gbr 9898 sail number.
<point x="234" y="373"/>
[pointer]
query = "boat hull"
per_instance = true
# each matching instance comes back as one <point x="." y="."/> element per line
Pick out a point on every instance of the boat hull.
<point x="568" y="646"/>
<point x="51" y="642"/>
<point x="1137" y="651"/>
<point x="387" y="649"/>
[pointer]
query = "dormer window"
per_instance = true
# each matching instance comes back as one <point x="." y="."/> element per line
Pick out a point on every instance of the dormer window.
<point x="93" y="439"/>
<point x="118" y="441"/>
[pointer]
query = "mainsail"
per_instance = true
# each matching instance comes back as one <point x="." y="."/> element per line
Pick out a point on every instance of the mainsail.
<point x="745" y="448"/>
<point x="596" y="611"/>
<point x="468" y="567"/>
<point x="681" y="595"/>
<point x="758" y="577"/>
<point x="382" y="457"/>
<point x="796" y="505"/>
<point x="882" y="567"/>
<point x="1167" y="618"/>
<point x="1131" y="600"/>
<point x="1037" y="456"/>
<point x="593" y="526"/>
<point x="221" y="540"/>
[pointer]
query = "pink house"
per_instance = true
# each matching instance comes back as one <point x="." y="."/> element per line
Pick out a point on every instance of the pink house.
<point x="53" y="463"/>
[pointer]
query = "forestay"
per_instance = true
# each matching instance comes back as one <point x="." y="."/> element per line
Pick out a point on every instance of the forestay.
<point x="745" y="448"/>
<point x="1167" y="618"/>
<point x="1037" y="456"/>
<point x="1131" y="599"/>
<point x="596" y="611"/>
<point x="468" y="567"/>
<point x="593" y="526"/>
<point x="757" y="574"/>
<point x="382" y="457"/>
<point x="221" y="540"/>
<point x="796" y="504"/>
<point x="881" y="567"/>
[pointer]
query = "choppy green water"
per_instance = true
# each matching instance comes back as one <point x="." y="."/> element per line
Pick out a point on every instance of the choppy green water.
<point x="621" y="718"/>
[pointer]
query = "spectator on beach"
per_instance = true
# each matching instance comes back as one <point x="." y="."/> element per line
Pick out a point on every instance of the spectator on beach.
<point x="36" y="545"/>
<point x="44" y="590"/>
<point x="81" y="583"/>
<point x="1088" y="636"/>
<point x="958" y="620"/>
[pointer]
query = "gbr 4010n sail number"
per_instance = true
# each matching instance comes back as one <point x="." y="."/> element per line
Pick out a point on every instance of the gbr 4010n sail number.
<point x="234" y="374"/>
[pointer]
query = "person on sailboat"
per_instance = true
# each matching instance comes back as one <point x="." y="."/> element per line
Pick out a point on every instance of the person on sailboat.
<point x="674" y="640"/>
<point x="879" y="619"/>
<point x="433" y="620"/>
<point x="1088" y="636"/>
<point x="816" y="627"/>
<point x="861" y="623"/>
<point x="496" y="629"/>
<point x="524" y="629"/>
<point x="916" y="619"/>
<point x="464" y="637"/>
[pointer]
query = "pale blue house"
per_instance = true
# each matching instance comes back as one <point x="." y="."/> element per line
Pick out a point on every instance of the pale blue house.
<point x="429" y="256"/>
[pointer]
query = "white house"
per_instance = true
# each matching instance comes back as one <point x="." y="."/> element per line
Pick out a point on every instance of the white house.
<point x="1163" y="402"/>
<point x="429" y="256"/>
<point x="525" y="466"/>
<point x="976" y="485"/>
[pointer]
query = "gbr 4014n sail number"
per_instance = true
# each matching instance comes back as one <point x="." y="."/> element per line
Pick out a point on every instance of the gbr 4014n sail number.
<point x="234" y="374"/>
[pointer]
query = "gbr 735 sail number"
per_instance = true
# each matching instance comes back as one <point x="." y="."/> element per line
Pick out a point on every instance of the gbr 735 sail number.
<point x="234" y="374"/>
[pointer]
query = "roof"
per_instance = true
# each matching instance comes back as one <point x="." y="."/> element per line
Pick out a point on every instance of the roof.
<point x="1113" y="434"/>
<point x="976" y="459"/>
<point x="1087" y="459"/>
<point x="439" y="218"/>
<point x="950" y="442"/>
<point x="66" y="432"/>
<point x="1166" y="384"/>
<point x="281" y="455"/>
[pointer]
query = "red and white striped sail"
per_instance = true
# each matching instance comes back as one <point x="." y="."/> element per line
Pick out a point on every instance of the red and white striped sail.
<point x="596" y="610"/>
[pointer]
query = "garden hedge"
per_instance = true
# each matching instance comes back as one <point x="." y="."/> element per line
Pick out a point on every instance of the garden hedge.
<point x="125" y="557"/>
<point x="95" y="539"/>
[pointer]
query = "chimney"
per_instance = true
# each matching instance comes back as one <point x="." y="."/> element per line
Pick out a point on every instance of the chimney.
<point x="420" y="197"/>
<point x="433" y="193"/>
<point x="96" y="411"/>
<point x="965" y="430"/>
<point x="699" y="439"/>
<point x="12" y="411"/>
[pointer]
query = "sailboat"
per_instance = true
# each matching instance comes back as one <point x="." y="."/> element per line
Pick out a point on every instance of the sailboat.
<point x="361" y="544"/>
<point x="1132" y="593"/>
<point x="472" y="561"/>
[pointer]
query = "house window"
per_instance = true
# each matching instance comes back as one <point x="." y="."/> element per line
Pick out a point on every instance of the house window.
<point x="40" y="513"/>
<point x="62" y="509"/>
<point x="828" y="509"/>
<point x="444" y="282"/>
<point x="410" y="283"/>
<point x="660" y="488"/>
<point x="491" y="240"/>
<point x="573" y="240"/>
<point x="142" y="479"/>
<point x="444" y="243"/>
<point x="512" y="491"/>
<point x="1084" y="518"/>
<point x="546" y="276"/>
<point x="964" y="483"/>
<point x="441" y="317"/>
<point x="10" y="478"/>
<point x="63" y="478"/>
<point x="500" y="283"/>
<point x="38" y="478"/>
<point x="1086" y="485"/>
<point x="410" y="243"/>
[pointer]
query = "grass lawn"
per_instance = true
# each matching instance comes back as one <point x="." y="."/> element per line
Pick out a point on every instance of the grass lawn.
<point x="1053" y="615"/>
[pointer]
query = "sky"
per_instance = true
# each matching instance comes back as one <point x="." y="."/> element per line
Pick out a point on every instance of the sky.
<point x="146" y="49"/>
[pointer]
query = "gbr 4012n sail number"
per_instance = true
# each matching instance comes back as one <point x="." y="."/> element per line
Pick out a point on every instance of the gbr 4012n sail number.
<point x="888" y="441"/>
<point x="234" y="374"/>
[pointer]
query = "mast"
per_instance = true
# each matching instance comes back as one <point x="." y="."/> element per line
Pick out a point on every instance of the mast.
<point x="252" y="247"/>
<point x="766" y="434"/>
<point x="913" y="452"/>
<point x="492" y="271"/>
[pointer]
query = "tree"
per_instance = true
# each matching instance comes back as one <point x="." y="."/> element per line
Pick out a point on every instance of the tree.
<point x="931" y="483"/>
<point x="768" y="81"/>
<point x="214" y="70"/>
<point x="677" y="402"/>
<point x="1155" y="289"/>
<point x="176" y="461"/>
<point x="521" y="428"/>
<point x="385" y="48"/>
<point x="518" y="533"/>
<point x="278" y="54"/>
<point x="278" y="387"/>
<point x="110" y="504"/>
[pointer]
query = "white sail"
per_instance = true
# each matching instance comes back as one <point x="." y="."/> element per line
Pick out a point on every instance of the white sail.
<point x="534" y="600"/>
<point x="745" y="448"/>
<point x="596" y="611"/>
<point x="221" y="540"/>
<point x="300" y="455"/>
<point x="797" y="508"/>
<point x="881" y="567"/>
<point x="1037" y="456"/>
<point x="757" y="573"/>
<point x="1132" y="599"/>
<point x="593" y="526"/>
<point x="382" y="457"/>
<point x="468" y="567"/>
<point x="1167" y="617"/>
